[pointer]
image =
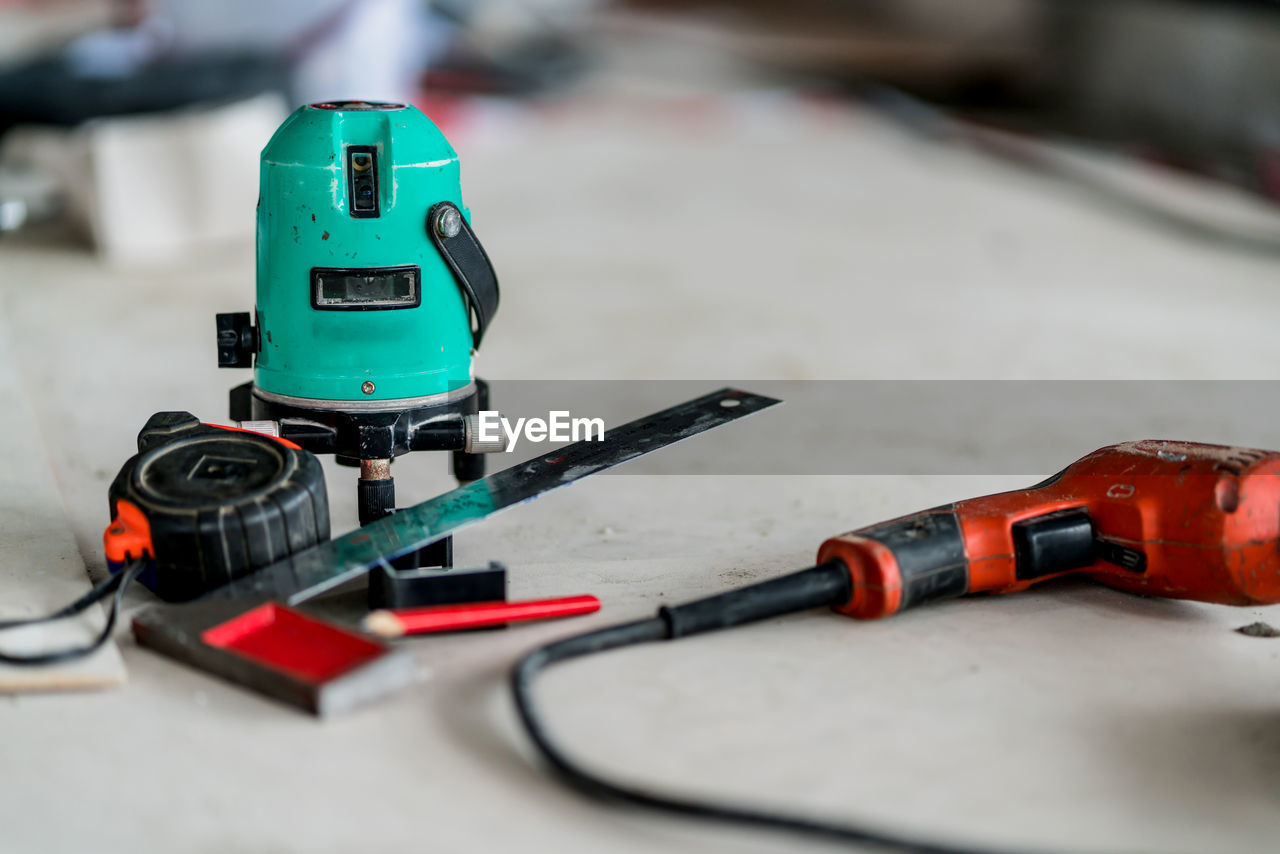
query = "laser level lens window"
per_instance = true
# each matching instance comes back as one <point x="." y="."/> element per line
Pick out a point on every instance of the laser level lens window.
<point x="362" y="181"/>
<point x="365" y="289"/>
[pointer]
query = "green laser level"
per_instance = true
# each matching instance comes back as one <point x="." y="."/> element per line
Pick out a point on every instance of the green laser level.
<point x="373" y="294"/>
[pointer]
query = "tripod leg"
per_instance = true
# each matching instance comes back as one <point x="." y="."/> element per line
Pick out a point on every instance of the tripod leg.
<point x="375" y="491"/>
<point x="376" y="496"/>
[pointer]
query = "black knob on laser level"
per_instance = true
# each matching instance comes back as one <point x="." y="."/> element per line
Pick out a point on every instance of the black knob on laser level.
<point x="237" y="340"/>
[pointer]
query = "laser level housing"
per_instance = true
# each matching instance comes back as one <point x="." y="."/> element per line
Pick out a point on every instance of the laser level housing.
<point x="373" y="293"/>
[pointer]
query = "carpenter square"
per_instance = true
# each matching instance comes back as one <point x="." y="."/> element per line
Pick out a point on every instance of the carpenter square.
<point x="181" y="631"/>
<point x="309" y="573"/>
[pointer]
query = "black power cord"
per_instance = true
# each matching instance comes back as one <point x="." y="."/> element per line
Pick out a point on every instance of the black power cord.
<point x="824" y="585"/>
<point x="116" y="584"/>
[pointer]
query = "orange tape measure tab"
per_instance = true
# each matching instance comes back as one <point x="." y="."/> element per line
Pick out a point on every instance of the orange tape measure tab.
<point x="129" y="534"/>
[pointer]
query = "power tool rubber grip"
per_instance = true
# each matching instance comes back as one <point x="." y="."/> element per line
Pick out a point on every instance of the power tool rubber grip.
<point x="902" y="563"/>
<point x="828" y="584"/>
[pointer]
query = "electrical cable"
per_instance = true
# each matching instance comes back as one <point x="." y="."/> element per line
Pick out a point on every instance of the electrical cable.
<point x="116" y="584"/>
<point x="824" y="585"/>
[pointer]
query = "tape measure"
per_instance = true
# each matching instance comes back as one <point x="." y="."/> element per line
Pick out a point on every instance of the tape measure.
<point x="206" y="504"/>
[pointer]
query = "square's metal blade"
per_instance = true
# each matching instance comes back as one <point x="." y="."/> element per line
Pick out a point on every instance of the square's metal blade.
<point x="323" y="567"/>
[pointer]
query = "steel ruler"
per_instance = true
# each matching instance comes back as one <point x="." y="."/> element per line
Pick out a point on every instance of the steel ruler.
<point x="323" y="567"/>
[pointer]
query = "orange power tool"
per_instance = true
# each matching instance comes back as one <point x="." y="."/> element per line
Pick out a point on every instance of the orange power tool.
<point x="1175" y="519"/>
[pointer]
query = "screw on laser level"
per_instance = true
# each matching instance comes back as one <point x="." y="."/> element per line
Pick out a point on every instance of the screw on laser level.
<point x="373" y="294"/>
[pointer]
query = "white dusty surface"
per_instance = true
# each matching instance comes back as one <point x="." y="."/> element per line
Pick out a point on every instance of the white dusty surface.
<point x="40" y="566"/>
<point x="761" y="240"/>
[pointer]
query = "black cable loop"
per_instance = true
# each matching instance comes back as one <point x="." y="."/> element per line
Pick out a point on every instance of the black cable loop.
<point x="654" y="629"/>
<point x="117" y="584"/>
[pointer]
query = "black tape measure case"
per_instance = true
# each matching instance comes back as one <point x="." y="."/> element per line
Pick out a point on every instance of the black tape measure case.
<point x="210" y="504"/>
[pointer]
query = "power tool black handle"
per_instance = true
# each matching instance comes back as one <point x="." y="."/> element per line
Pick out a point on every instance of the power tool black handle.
<point x="826" y="584"/>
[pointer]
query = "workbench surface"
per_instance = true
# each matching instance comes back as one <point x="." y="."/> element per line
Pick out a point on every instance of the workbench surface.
<point x="753" y="238"/>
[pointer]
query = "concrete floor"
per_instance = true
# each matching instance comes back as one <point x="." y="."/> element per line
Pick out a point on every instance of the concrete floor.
<point x="743" y="239"/>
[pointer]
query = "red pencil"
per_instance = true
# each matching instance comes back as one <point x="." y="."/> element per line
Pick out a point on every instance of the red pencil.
<point x="473" y="615"/>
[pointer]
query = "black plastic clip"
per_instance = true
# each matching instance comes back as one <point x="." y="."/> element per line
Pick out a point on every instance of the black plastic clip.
<point x="390" y="587"/>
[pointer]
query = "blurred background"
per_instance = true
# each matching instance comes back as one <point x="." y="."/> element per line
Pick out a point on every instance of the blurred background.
<point x="715" y="191"/>
<point x="92" y="89"/>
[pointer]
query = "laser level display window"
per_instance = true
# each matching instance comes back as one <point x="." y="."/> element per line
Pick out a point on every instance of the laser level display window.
<point x="362" y="181"/>
<point x="364" y="289"/>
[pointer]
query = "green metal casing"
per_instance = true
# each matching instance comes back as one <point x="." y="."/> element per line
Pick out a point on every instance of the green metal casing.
<point x="304" y="221"/>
